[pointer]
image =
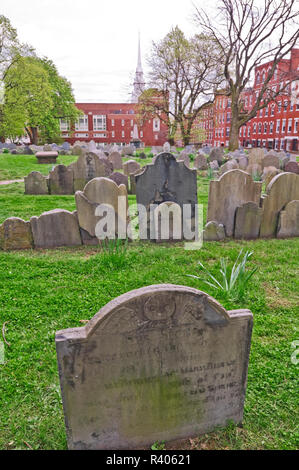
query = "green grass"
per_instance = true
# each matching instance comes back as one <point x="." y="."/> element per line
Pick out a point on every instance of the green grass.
<point x="13" y="167"/>
<point x="48" y="290"/>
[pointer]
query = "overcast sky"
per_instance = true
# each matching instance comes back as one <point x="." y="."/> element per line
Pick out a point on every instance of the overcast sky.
<point x="94" y="42"/>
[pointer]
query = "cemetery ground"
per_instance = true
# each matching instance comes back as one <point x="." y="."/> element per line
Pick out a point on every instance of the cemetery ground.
<point x="48" y="290"/>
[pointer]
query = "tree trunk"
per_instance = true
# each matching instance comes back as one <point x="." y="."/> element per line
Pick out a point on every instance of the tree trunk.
<point x="34" y="134"/>
<point x="234" y="134"/>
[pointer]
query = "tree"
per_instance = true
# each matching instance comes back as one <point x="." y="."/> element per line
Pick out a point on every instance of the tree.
<point x="35" y="97"/>
<point x="184" y="75"/>
<point x="249" y="33"/>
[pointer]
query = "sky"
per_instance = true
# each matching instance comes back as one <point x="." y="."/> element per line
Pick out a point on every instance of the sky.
<point x="94" y="43"/>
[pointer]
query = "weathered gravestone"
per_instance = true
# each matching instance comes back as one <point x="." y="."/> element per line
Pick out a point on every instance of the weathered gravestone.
<point x="270" y="160"/>
<point x="233" y="189"/>
<point x="292" y="167"/>
<point x="15" y="234"/>
<point x="61" y="180"/>
<point x="166" y="180"/>
<point x="288" y="222"/>
<point x="213" y="232"/>
<point x="116" y="160"/>
<point x="248" y="221"/>
<point x="55" y="228"/>
<point x="87" y="167"/>
<point x="217" y="154"/>
<point x="282" y="189"/>
<point x="105" y="192"/>
<point x="36" y="183"/>
<point x="119" y="178"/>
<point x="160" y="363"/>
<point x="131" y="167"/>
<point x="200" y="162"/>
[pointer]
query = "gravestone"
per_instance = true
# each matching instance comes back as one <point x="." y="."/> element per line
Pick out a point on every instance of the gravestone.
<point x="166" y="147"/>
<point x="230" y="165"/>
<point x="288" y="221"/>
<point x="119" y="178"/>
<point x="131" y="167"/>
<point x="116" y="160"/>
<point x="15" y="234"/>
<point x="61" y="180"/>
<point x="200" y="162"/>
<point x="87" y="167"/>
<point x="270" y="160"/>
<point x="36" y="183"/>
<point x="165" y="180"/>
<point x="184" y="157"/>
<point x="248" y="221"/>
<point x="101" y="191"/>
<point x="233" y="189"/>
<point x="282" y="189"/>
<point x="217" y="154"/>
<point x="55" y="228"/>
<point x="213" y="232"/>
<point x="160" y="363"/>
<point x="292" y="167"/>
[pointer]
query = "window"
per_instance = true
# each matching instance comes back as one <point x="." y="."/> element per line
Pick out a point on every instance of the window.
<point x="261" y="113"/>
<point x="228" y="117"/>
<point x="99" y="122"/>
<point x="227" y="132"/>
<point x="156" y="125"/>
<point x="82" y="123"/>
<point x="132" y="123"/>
<point x="296" y="125"/>
<point x="248" y="131"/>
<point x="141" y="133"/>
<point x="272" y="110"/>
<point x="265" y="128"/>
<point x="81" y="135"/>
<point x="283" y="129"/>
<point x="279" y="106"/>
<point x="266" y="111"/>
<point x="122" y="122"/>
<point x="250" y="100"/>
<point x="260" y="128"/>
<point x="277" y="125"/>
<point x="101" y="136"/>
<point x="258" y="77"/>
<point x="244" y="131"/>
<point x="64" y="125"/>
<point x="271" y="127"/>
<point x="112" y="122"/>
<point x="285" y="106"/>
<point x="254" y="128"/>
<point x="122" y="133"/>
<point x="113" y="134"/>
<point x="290" y="122"/>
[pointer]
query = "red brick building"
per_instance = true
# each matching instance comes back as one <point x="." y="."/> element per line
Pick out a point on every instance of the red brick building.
<point x="118" y="123"/>
<point x="275" y="126"/>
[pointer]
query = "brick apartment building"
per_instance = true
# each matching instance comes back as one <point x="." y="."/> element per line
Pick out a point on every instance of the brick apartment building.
<point x="275" y="126"/>
<point x="107" y="123"/>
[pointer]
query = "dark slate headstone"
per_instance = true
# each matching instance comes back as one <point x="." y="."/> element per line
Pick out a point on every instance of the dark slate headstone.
<point x="61" y="180"/>
<point x="166" y="180"/>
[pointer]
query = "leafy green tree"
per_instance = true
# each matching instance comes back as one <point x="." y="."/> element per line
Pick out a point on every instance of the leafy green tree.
<point x="35" y="98"/>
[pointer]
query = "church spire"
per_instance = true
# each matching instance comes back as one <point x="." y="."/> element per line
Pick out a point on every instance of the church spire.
<point x="139" y="82"/>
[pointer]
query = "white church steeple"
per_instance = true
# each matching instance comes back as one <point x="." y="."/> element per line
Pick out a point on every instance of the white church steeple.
<point x="139" y="82"/>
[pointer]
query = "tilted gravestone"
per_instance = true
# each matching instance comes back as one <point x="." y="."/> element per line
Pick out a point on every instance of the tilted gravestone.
<point x="288" y="221"/>
<point x="160" y="363"/>
<point x="233" y="189"/>
<point x="282" y="189"/>
<point x="61" y="180"/>
<point x="200" y="162"/>
<point x="165" y="180"/>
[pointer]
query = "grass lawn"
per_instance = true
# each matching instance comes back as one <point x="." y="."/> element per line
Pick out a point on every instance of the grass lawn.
<point x="48" y="290"/>
<point x="13" y="167"/>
